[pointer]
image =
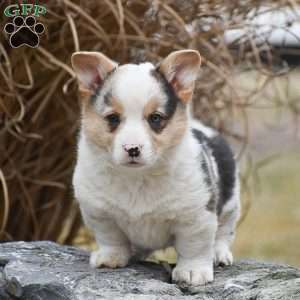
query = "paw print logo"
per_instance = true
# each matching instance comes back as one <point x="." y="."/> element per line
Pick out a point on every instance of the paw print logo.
<point x="24" y="32"/>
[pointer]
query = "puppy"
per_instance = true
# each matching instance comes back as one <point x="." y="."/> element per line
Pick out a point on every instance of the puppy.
<point x="148" y="175"/>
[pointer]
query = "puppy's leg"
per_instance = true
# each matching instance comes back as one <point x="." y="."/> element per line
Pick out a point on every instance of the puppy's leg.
<point x="114" y="248"/>
<point x="226" y="230"/>
<point x="194" y="242"/>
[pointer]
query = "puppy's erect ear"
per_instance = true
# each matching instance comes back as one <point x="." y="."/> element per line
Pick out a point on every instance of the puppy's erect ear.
<point x="91" y="68"/>
<point x="181" y="68"/>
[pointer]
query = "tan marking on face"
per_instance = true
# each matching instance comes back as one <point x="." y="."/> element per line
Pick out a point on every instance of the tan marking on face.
<point x="150" y="107"/>
<point x="96" y="128"/>
<point x="172" y="134"/>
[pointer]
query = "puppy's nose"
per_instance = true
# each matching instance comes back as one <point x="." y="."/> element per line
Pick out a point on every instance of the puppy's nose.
<point x="133" y="150"/>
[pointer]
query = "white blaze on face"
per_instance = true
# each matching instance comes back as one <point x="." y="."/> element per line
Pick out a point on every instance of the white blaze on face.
<point x="133" y="86"/>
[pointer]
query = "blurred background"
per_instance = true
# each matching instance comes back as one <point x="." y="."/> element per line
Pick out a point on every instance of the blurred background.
<point x="248" y="88"/>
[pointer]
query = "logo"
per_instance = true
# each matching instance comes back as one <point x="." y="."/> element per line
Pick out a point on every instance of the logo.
<point x="24" y="29"/>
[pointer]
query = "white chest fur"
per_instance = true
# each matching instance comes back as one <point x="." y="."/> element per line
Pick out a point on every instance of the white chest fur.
<point x="145" y="205"/>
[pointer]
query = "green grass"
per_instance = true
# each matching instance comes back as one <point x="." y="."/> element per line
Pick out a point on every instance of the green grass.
<point x="271" y="230"/>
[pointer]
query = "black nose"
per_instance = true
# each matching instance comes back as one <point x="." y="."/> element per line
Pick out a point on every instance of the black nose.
<point x="134" y="152"/>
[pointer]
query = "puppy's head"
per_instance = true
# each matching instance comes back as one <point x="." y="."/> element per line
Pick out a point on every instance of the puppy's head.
<point x="136" y="113"/>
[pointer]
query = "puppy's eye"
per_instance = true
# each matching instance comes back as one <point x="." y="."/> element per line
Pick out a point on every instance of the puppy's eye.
<point x="157" y="121"/>
<point x="113" y="121"/>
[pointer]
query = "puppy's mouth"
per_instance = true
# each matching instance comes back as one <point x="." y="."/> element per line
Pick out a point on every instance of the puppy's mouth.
<point x="134" y="164"/>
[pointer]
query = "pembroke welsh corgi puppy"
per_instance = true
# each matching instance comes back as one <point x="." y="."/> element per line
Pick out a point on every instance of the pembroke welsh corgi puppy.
<point x="148" y="175"/>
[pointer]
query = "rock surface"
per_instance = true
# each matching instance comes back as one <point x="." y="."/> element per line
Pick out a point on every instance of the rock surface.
<point x="45" y="270"/>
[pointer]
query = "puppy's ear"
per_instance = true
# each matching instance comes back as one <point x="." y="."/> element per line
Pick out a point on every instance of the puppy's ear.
<point x="180" y="68"/>
<point x="91" y="68"/>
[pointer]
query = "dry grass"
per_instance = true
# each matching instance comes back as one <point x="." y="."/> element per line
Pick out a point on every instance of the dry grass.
<point x="38" y="104"/>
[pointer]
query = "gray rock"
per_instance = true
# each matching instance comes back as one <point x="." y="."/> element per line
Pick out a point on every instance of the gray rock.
<point x="45" y="270"/>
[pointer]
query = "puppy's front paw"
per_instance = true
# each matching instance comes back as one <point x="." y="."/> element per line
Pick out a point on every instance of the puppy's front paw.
<point x="111" y="257"/>
<point x="193" y="275"/>
<point x="223" y="255"/>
